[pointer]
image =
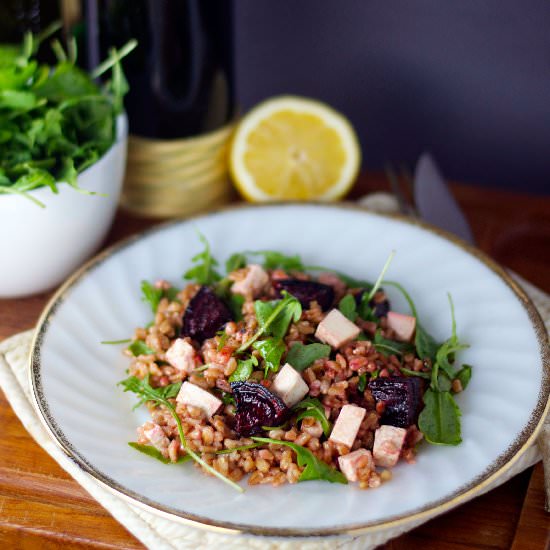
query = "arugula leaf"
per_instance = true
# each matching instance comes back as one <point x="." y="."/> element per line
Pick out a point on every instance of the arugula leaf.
<point x="114" y="342"/>
<point x="203" y="272"/>
<point x="439" y="421"/>
<point x="348" y="307"/>
<point x="420" y="374"/>
<point x="278" y="260"/>
<point x="151" y="295"/>
<point x="362" y="382"/>
<point x="271" y="351"/>
<point x="426" y="345"/>
<point x="235" y="261"/>
<point x="145" y="392"/>
<point x="139" y="347"/>
<point x="244" y="369"/>
<point x="378" y="282"/>
<point x="274" y="318"/>
<point x="312" y="407"/>
<point x="301" y="356"/>
<point x="151" y="451"/>
<point x="464" y="375"/>
<point x="390" y="347"/>
<point x="314" y="467"/>
<point x="235" y="303"/>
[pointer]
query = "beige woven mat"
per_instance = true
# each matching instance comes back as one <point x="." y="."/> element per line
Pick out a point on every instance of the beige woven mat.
<point x="159" y="533"/>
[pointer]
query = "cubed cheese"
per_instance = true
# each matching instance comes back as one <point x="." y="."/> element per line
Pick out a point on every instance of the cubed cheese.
<point x="156" y="436"/>
<point x="336" y="330"/>
<point x="403" y="325"/>
<point x="252" y="284"/>
<point x="350" y="463"/>
<point x="181" y="355"/>
<point x="289" y="386"/>
<point x="191" y="394"/>
<point x="388" y="442"/>
<point x="347" y="425"/>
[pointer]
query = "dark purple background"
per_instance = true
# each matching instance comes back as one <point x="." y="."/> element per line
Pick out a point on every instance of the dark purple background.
<point x="467" y="79"/>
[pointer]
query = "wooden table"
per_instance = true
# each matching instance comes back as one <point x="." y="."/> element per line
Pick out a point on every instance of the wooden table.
<point x="41" y="506"/>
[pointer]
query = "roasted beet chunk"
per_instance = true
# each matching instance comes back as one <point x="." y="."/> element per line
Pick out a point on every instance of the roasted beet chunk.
<point x="256" y="407"/>
<point x="205" y="315"/>
<point x="380" y="309"/>
<point x="401" y="397"/>
<point x="307" y="291"/>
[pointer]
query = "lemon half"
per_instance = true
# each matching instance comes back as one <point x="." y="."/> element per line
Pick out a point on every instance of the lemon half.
<point x="293" y="148"/>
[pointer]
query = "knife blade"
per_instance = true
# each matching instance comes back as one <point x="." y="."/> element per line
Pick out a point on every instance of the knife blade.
<point x="435" y="202"/>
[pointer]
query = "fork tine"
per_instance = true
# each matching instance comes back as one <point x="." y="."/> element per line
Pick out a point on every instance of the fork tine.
<point x="396" y="189"/>
<point x="408" y="182"/>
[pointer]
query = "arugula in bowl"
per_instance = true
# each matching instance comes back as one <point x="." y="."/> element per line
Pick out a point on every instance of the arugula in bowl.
<point x="54" y="121"/>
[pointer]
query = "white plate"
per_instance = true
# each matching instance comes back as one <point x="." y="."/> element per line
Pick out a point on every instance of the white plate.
<point x="74" y="377"/>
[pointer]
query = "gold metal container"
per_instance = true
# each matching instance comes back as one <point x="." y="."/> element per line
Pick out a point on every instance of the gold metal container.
<point x="178" y="177"/>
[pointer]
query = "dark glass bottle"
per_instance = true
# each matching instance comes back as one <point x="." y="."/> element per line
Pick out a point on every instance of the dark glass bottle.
<point x="180" y="75"/>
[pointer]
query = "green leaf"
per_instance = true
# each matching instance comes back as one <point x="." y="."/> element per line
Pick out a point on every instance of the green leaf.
<point x="244" y="369"/>
<point x="274" y="318"/>
<point x="378" y="282"/>
<point x="139" y="347"/>
<point x="426" y="345"/>
<point x="420" y="374"/>
<point x="390" y="347"/>
<point x="203" y="272"/>
<point x="313" y="408"/>
<point x="348" y="307"/>
<point x="161" y="396"/>
<point x="439" y="421"/>
<point x="464" y="375"/>
<point x="155" y="453"/>
<point x="301" y="356"/>
<point x="114" y="342"/>
<point x="234" y="262"/>
<point x="271" y="351"/>
<point x="314" y="467"/>
<point x="362" y="382"/>
<point x="278" y="260"/>
<point x="151" y="295"/>
<point x="291" y="311"/>
<point x="235" y="303"/>
<point x="17" y="99"/>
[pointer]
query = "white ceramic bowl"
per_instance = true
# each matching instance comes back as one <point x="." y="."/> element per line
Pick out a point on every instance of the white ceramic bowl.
<point x="39" y="247"/>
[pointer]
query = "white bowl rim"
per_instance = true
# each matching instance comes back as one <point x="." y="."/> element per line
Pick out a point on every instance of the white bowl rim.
<point x="500" y="466"/>
<point x="45" y="192"/>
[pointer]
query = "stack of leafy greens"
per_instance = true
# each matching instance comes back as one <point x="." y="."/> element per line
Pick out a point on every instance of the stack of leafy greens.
<point x="439" y="420"/>
<point x="54" y="121"/>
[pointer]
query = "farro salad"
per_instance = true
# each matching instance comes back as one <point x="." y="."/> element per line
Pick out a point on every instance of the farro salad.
<point x="289" y="372"/>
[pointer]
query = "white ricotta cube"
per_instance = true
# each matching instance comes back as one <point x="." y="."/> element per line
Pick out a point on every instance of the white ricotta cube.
<point x="191" y="394"/>
<point x="347" y="425"/>
<point x="255" y="279"/>
<point x="336" y="329"/>
<point x="350" y="463"/>
<point x="388" y="443"/>
<point x="156" y="436"/>
<point x="403" y="325"/>
<point x="289" y="386"/>
<point x="181" y="355"/>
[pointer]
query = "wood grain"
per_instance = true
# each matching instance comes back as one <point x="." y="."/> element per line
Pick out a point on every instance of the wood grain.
<point x="42" y="507"/>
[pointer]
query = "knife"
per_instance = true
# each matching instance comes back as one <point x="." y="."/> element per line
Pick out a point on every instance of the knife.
<point x="434" y="201"/>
